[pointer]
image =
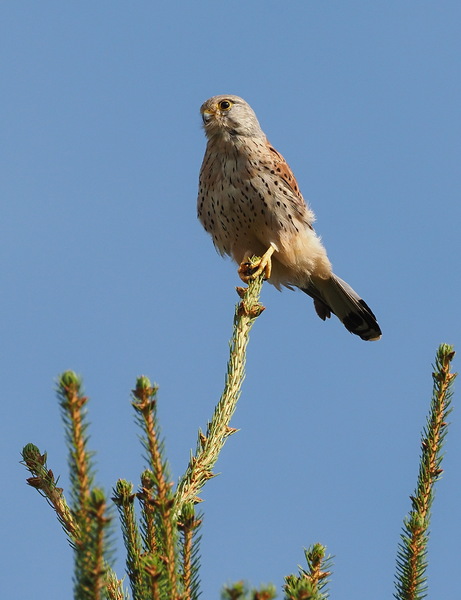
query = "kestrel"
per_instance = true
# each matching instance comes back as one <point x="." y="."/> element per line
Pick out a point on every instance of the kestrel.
<point x="250" y="203"/>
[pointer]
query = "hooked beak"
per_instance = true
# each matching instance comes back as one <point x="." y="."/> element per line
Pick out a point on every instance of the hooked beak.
<point x="207" y="115"/>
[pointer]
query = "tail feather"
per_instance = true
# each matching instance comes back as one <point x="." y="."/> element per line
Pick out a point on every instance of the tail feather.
<point x="335" y="296"/>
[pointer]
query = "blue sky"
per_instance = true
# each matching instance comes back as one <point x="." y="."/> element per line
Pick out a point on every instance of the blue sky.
<point x="105" y="270"/>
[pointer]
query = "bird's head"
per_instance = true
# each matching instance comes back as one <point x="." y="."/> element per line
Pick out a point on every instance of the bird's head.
<point x="229" y="116"/>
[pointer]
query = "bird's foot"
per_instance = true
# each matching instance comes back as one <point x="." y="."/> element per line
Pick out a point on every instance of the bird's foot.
<point x="248" y="270"/>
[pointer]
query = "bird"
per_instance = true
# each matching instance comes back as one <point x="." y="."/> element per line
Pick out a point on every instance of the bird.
<point x="250" y="203"/>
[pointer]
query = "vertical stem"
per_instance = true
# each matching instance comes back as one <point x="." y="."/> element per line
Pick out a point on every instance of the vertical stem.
<point x="145" y="395"/>
<point x="124" y="498"/>
<point x="188" y="524"/>
<point x="411" y="559"/>
<point x="200" y="466"/>
<point x="76" y="404"/>
<point x="99" y="515"/>
<point x="187" y="560"/>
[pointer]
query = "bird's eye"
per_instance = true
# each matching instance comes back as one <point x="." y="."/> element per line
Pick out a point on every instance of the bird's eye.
<point x="225" y="104"/>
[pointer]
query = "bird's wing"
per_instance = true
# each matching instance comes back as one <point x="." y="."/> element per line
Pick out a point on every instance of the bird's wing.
<point x="282" y="169"/>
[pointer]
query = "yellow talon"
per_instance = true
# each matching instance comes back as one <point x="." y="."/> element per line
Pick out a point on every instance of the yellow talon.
<point x="248" y="271"/>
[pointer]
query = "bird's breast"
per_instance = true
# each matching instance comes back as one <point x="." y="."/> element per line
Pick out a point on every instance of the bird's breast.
<point x="241" y="204"/>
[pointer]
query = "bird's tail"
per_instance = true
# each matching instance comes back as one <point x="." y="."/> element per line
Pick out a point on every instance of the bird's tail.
<point x="335" y="296"/>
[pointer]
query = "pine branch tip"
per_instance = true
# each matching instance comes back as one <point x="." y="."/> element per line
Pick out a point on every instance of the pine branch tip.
<point x="410" y="578"/>
<point x="70" y="379"/>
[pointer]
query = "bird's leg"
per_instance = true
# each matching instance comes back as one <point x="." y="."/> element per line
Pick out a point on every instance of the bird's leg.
<point x="248" y="271"/>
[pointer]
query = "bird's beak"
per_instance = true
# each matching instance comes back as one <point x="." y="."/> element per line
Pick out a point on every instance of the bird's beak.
<point x="207" y="114"/>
